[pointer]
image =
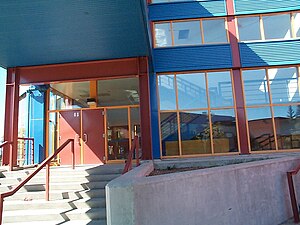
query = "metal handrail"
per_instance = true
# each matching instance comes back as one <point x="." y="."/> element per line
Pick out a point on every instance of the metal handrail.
<point x="294" y="203"/>
<point x="10" y="154"/>
<point x="134" y="147"/>
<point x="46" y="163"/>
<point x="32" y="147"/>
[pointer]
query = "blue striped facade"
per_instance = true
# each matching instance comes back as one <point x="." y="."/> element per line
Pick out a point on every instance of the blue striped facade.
<point x="187" y="10"/>
<point x="271" y="53"/>
<point x="265" y="6"/>
<point x="203" y="57"/>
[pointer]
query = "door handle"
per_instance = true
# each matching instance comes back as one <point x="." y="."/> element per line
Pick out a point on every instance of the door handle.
<point x="85" y="138"/>
<point x="77" y="139"/>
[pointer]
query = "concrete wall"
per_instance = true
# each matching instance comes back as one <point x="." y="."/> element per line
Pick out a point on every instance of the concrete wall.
<point x="254" y="193"/>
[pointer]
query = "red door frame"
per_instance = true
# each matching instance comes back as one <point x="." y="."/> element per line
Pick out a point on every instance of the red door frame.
<point x="73" y="72"/>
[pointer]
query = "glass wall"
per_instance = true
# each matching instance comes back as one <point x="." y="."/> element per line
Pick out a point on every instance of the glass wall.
<point x="273" y="108"/>
<point x="190" y="32"/>
<point x="197" y="114"/>
<point x="269" y="27"/>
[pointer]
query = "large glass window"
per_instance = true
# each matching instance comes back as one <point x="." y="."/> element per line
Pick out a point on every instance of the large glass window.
<point x="118" y="92"/>
<point x="297" y="24"/>
<point x="220" y="89"/>
<point x="191" y="91"/>
<point x="256" y="87"/>
<point x="249" y="28"/>
<point x="278" y="110"/>
<point x="269" y="27"/>
<point x="201" y="130"/>
<point x="187" y="33"/>
<point x="277" y="27"/>
<point x="163" y="36"/>
<point x="214" y="31"/>
<point x="190" y="32"/>
<point x="167" y="96"/>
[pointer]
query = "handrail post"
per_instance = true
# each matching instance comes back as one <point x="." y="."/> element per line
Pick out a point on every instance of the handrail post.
<point x="1" y="208"/>
<point x="293" y="197"/>
<point x="137" y="148"/>
<point x="47" y="180"/>
<point x="11" y="156"/>
<point x="73" y="154"/>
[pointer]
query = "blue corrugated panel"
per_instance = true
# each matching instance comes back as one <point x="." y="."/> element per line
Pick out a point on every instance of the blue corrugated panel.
<point x="154" y="117"/>
<point x="264" y="6"/>
<point x="185" y="10"/>
<point x="270" y="53"/>
<point x="192" y="58"/>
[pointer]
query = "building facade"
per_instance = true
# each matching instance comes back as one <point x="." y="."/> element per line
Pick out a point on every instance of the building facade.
<point x="192" y="79"/>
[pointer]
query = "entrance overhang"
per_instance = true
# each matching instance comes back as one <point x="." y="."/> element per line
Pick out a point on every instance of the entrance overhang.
<point x="34" y="32"/>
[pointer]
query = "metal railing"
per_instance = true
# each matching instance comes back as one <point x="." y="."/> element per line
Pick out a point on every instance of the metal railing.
<point x="294" y="204"/>
<point x="46" y="163"/>
<point x="10" y="154"/>
<point x="134" y="148"/>
<point x="25" y="151"/>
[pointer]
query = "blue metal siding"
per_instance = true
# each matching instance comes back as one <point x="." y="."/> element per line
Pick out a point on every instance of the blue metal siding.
<point x="154" y="117"/>
<point x="264" y="6"/>
<point x="192" y="58"/>
<point x="185" y="10"/>
<point x="270" y="53"/>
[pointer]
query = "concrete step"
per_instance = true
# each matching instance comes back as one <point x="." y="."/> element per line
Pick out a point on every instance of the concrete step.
<point x="54" y="215"/>
<point x="58" y="195"/>
<point x="62" y="204"/>
<point x="60" y="222"/>
<point x="33" y="187"/>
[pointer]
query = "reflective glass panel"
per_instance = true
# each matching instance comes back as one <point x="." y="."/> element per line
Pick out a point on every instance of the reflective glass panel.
<point x="224" y="131"/>
<point x="166" y="86"/>
<point x="277" y="27"/>
<point x="70" y="95"/>
<point x="260" y="129"/>
<point x="135" y="123"/>
<point x="220" y="89"/>
<point x="214" y="31"/>
<point x="195" y="133"/>
<point x="249" y="28"/>
<point x="191" y="91"/>
<point x="255" y="87"/>
<point x="169" y="133"/>
<point x="287" y="122"/>
<point x="117" y="92"/>
<point x="284" y="85"/>
<point x="53" y="132"/>
<point x="187" y="33"/>
<point x="297" y="24"/>
<point x="117" y="133"/>
<point x="163" y="35"/>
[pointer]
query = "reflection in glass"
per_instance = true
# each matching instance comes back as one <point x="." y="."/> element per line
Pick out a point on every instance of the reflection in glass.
<point x="117" y="92"/>
<point x="260" y="129"/>
<point x="187" y="33"/>
<point x="166" y="86"/>
<point x="70" y="95"/>
<point x="255" y="87"/>
<point x="284" y="85"/>
<point x="163" y="35"/>
<point x="277" y="27"/>
<point x="220" y="89"/>
<point x="53" y="132"/>
<point x="169" y="133"/>
<point x="297" y="24"/>
<point x="224" y="131"/>
<point x="195" y="133"/>
<point x="135" y="123"/>
<point x="287" y="122"/>
<point x="191" y="91"/>
<point x="118" y="133"/>
<point x="214" y="31"/>
<point x="249" y="28"/>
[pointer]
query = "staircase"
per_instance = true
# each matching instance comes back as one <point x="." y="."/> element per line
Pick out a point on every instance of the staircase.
<point x="76" y="196"/>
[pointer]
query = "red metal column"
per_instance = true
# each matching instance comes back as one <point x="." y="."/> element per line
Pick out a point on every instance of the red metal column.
<point x="145" y="108"/>
<point x="237" y="78"/>
<point x="11" y="116"/>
